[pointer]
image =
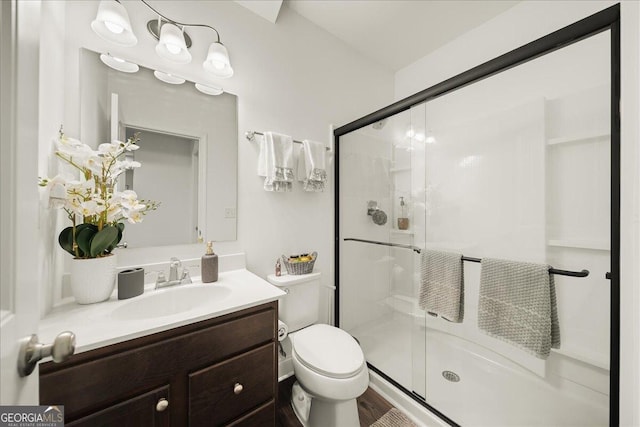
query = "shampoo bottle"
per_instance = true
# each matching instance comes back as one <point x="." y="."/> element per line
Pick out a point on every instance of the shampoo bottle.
<point x="209" y="265"/>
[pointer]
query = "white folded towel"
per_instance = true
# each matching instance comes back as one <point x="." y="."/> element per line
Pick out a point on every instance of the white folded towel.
<point x="312" y="170"/>
<point x="275" y="161"/>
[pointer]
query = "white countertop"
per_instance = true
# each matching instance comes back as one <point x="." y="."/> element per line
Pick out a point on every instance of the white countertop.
<point x="96" y="325"/>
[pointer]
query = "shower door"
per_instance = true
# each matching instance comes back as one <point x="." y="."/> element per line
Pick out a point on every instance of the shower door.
<point x="521" y="165"/>
<point x="382" y="202"/>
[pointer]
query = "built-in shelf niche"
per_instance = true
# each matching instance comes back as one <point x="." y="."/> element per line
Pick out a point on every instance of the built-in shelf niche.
<point x="578" y="170"/>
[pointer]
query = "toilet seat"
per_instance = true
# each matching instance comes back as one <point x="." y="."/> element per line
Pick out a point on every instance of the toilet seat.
<point x="328" y="351"/>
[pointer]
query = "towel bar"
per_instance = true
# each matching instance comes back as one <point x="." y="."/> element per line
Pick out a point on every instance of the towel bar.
<point x="251" y="134"/>
<point x="583" y="273"/>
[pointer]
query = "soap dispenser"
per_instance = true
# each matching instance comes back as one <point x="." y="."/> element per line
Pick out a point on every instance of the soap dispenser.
<point x="403" y="220"/>
<point x="209" y="265"/>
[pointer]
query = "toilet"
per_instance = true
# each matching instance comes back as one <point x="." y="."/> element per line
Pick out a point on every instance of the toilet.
<point x="328" y="363"/>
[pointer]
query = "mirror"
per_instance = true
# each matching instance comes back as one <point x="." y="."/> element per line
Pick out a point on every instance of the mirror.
<point x="188" y="150"/>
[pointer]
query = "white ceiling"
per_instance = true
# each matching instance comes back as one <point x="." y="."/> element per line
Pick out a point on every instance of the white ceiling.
<point x="395" y="33"/>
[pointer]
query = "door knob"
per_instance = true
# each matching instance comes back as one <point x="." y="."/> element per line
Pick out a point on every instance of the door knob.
<point x="31" y="351"/>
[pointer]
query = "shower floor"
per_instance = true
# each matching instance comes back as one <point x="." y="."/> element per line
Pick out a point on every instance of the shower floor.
<point x="490" y="389"/>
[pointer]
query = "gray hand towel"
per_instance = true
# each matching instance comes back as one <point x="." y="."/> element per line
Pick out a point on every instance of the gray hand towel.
<point x="442" y="284"/>
<point x="518" y="305"/>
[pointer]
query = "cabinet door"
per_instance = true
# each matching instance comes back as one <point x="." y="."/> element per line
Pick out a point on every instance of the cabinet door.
<point x="227" y="390"/>
<point x="145" y="410"/>
<point x="263" y="416"/>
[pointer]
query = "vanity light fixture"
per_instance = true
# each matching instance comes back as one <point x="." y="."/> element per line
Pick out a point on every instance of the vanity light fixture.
<point x="112" y="23"/>
<point x="209" y="90"/>
<point x="168" y="78"/>
<point x="119" y="64"/>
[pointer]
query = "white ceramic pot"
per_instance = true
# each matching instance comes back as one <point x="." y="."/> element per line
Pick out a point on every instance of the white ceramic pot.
<point x="93" y="280"/>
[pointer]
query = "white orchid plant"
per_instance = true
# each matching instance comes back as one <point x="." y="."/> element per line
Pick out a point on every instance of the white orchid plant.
<point x="94" y="206"/>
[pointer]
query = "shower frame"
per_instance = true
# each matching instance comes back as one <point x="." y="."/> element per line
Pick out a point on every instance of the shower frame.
<point x="607" y="19"/>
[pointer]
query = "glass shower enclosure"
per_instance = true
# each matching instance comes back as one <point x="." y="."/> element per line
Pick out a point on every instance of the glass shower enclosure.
<point x="520" y="165"/>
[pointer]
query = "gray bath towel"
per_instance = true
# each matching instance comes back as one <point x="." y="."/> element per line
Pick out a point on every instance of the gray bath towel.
<point x="518" y="305"/>
<point x="442" y="284"/>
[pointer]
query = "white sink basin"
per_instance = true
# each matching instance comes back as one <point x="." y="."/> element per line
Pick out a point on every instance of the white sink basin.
<point x="171" y="301"/>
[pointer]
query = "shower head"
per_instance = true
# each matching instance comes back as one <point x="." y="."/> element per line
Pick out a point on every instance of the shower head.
<point x="378" y="216"/>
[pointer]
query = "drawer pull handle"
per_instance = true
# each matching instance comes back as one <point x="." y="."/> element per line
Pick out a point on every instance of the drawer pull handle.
<point x="237" y="388"/>
<point x="162" y="405"/>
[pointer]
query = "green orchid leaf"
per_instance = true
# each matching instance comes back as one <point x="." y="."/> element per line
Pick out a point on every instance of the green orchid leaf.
<point x="84" y="238"/>
<point x="65" y="239"/>
<point x="87" y="225"/>
<point x="120" y="227"/>
<point x="103" y="240"/>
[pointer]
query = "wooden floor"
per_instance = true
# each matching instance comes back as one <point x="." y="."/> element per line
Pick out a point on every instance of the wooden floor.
<point x="371" y="406"/>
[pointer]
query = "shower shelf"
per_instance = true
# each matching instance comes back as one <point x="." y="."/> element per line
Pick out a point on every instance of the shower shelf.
<point x="405" y="232"/>
<point x="577" y="138"/>
<point x="396" y="170"/>
<point x="580" y="244"/>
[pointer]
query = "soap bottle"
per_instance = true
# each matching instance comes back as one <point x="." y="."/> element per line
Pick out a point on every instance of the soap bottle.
<point x="278" y="268"/>
<point x="209" y="265"/>
<point x="403" y="220"/>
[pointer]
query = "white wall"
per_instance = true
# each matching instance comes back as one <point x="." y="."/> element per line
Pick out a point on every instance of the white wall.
<point x="519" y="25"/>
<point x="291" y="77"/>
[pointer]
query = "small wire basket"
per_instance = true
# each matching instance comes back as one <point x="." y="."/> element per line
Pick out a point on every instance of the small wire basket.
<point x="297" y="268"/>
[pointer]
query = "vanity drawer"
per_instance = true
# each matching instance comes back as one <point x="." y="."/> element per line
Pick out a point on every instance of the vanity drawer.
<point x="138" y="411"/>
<point x="264" y="416"/>
<point x="224" y="391"/>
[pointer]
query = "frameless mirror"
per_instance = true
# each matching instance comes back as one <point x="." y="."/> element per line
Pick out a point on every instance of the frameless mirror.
<point x="188" y="150"/>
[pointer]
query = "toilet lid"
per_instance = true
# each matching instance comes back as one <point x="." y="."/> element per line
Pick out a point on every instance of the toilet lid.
<point x="329" y="351"/>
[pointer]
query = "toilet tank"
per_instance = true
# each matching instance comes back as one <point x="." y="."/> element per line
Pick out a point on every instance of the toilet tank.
<point x="300" y="306"/>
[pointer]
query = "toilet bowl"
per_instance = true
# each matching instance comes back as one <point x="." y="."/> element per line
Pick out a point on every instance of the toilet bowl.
<point x="331" y="371"/>
<point x="328" y="363"/>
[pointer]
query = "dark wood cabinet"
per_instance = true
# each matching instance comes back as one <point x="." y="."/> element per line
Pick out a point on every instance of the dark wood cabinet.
<point x="221" y="371"/>
<point x="144" y="410"/>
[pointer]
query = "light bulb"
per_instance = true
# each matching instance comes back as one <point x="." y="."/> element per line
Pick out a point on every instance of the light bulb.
<point x="172" y="48"/>
<point x="114" y="28"/>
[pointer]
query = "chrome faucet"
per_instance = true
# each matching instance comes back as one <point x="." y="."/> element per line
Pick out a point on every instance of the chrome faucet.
<point x="174" y="265"/>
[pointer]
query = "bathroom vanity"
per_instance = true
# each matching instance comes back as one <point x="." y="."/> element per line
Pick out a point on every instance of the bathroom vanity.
<point x="216" y="364"/>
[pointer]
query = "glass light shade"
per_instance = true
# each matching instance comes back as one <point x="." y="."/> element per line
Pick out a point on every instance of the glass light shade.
<point x="217" y="61"/>
<point x="168" y="78"/>
<point x="209" y="90"/>
<point x="112" y="23"/>
<point x="172" y="45"/>
<point x="119" y="64"/>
